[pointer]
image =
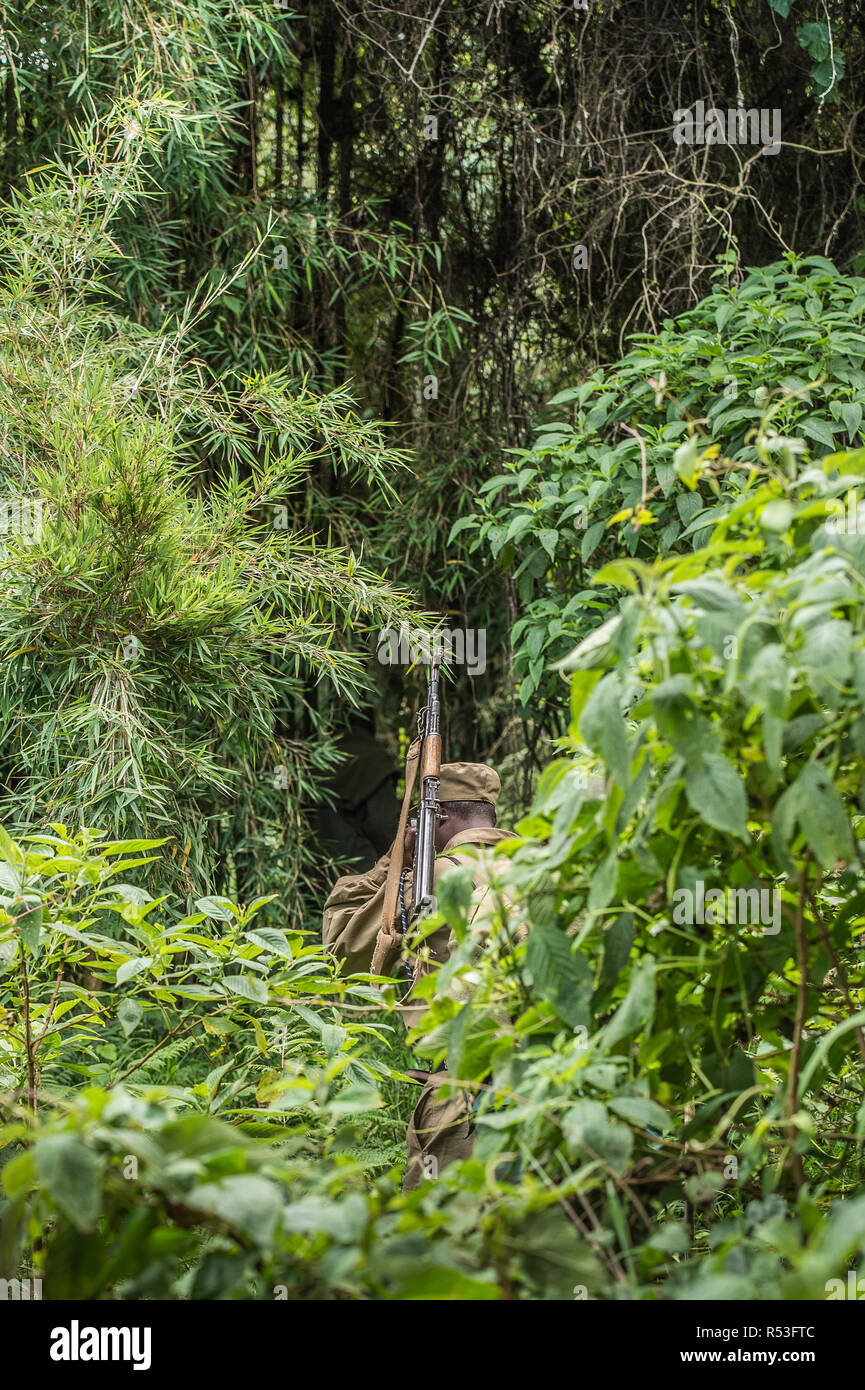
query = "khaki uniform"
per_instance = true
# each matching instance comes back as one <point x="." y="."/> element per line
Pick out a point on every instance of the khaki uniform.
<point x="440" y="1130"/>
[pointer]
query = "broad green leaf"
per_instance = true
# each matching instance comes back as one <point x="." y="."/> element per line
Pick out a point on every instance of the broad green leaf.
<point x="637" y="1008"/>
<point x="71" y="1173"/>
<point x="222" y="909"/>
<point x="561" y="974"/>
<point x="246" y="1202"/>
<point x="776" y="516"/>
<point x="9" y="850"/>
<point x="246" y="987"/>
<point x="717" y="793"/>
<point x="136" y="966"/>
<point x="603" y="727"/>
<point x="641" y="1111"/>
<point x="767" y="679"/>
<point x="819" y="809"/>
<point x="130" y="1014"/>
<point x="272" y="939"/>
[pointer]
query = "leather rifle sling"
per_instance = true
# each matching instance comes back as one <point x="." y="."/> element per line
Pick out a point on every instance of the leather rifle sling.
<point x="389" y="939"/>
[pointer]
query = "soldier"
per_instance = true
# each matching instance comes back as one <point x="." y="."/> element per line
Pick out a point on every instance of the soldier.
<point x="440" y="1131"/>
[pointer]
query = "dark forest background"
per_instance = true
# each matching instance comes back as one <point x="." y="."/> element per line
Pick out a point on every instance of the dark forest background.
<point x="422" y="177"/>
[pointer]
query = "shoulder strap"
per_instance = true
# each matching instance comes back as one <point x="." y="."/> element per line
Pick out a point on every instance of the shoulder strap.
<point x="389" y="939"/>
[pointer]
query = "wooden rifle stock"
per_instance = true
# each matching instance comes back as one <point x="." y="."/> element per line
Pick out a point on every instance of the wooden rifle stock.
<point x="425" y="753"/>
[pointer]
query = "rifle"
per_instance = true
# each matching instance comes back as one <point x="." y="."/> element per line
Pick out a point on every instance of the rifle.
<point x="423" y="880"/>
<point x="425" y="752"/>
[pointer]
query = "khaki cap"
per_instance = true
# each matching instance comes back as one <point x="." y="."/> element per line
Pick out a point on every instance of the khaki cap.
<point x="469" y="782"/>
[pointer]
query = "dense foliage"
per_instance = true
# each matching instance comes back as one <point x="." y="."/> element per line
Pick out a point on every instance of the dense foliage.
<point x="429" y="171"/>
<point x="157" y="636"/>
<point x="325" y="320"/>
<point x="659" y="1062"/>
<point x="750" y="365"/>
<point x="665" y="1105"/>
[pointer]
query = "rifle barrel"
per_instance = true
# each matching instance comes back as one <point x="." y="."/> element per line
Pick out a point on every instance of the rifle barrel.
<point x="423" y="878"/>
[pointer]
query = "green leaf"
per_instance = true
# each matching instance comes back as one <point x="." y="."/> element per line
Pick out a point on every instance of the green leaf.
<point x="588" y="1126"/>
<point x="717" y="793"/>
<point x="591" y="540"/>
<point x="570" y="393"/>
<point x="618" y="940"/>
<point x="595" y="651"/>
<point x="19" y="1174"/>
<point x="135" y="966"/>
<point x="462" y="523"/>
<point x="9" y="850"/>
<point x="246" y="1202"/>
<point x="130" y="1014"/>
<point x="673" y="1237"/>
<point x="549" y="540"/>
<point x="678" y="717"/>
<point x="851" y="413"/>
<point x="603" y="881"/>
<point x="218" y="908"/>
<point x="713" y="596"/>
<point x="28" y="914"/>
<point x="623" y="574"/>
<point x="272" y="939"/>
<point x="332" y="1038"/>
<point x="343" y="1221"/>
<point x="777" y="515"/>
<point x="855" y="1021"/>
<point x="817" y="805"/>
<point x="637" y="1008"/>
<point x="561" y="975"/>
<point x="768" y="679"/>
<point x="817" y="429"/>
<point x="685" y="462"/>
<point x="641" y="1111"/>
<point x="582" y="685"/>
<point x="773" y="737"/>
<point x="456" y="1041"/>
<point x="826" y="654"/>
<point x="355" y="1100"/>
<point x="72" y="1175"/>
<point x="603" y="727"/>
<point x="247" y="987"/>
<point x="128" y="846"/>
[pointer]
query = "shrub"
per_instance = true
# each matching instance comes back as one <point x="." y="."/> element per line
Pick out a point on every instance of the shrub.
<point x="681" y="1068"/>
<point x="779" y="355"/>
